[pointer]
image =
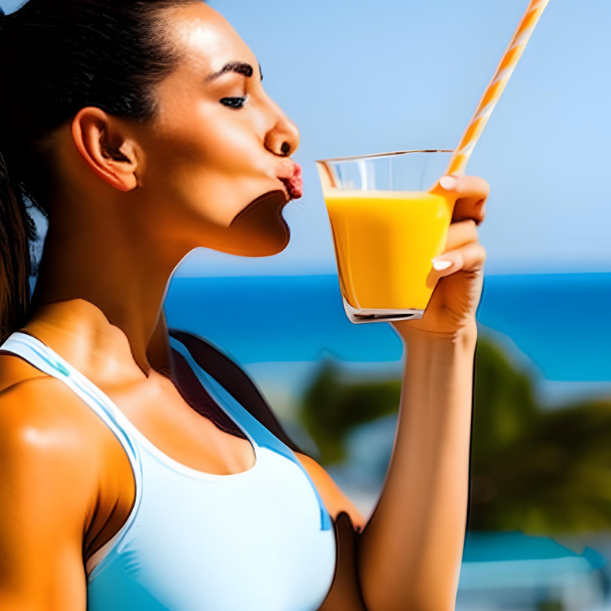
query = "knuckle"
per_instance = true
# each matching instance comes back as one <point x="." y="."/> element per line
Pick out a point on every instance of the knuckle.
<point x="483" y="186"/>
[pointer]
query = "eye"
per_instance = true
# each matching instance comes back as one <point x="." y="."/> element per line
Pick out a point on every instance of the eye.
<point x="234" y="102"/>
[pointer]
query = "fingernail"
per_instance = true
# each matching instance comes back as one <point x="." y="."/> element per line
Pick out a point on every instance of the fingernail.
<point x="448" y="182"/>
<point x="439" y="265"/>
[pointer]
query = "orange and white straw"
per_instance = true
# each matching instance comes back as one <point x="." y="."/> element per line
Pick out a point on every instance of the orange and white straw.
<point x="521" y="36"/>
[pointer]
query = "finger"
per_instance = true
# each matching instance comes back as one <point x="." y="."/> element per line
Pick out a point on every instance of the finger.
<point x="469" y="258"/>
<point x="461" y="233"/>
<point x="470" y="193"/>
<point x="469" y="209"/>
<point x="473" y="187"/>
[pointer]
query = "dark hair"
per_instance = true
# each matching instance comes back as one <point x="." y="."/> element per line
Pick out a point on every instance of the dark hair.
<point x="57" y="57"/>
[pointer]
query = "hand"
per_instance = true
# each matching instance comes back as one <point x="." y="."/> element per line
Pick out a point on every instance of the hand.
<point x="451" y="310"/>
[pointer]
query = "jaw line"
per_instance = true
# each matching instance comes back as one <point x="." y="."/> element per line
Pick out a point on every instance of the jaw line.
<point x="252" y="204"/>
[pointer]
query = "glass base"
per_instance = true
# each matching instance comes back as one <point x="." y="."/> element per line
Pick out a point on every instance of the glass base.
<point x="358" y="316"/>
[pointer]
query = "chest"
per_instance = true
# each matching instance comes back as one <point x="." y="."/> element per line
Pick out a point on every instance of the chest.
<point x="179" y="434"/>
<point x="174" y="426"/>
<point x="192" y="538"/>
<point x="191" y="542"/>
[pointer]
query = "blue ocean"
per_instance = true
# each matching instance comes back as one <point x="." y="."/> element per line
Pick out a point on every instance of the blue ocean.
<point x="560" y="323"/>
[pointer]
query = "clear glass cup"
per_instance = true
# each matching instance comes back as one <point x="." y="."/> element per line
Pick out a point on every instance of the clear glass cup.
<point x="386" y="228"/>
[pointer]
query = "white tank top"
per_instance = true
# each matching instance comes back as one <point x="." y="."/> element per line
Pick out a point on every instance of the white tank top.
<point x="260" y="540"/>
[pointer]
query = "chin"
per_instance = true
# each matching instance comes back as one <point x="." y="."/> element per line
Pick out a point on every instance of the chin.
<point x="260" y="230"/>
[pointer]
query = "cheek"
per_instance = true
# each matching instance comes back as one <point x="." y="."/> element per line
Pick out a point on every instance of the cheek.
<point x="212" y="168"/>
<point x="230" y="145"/>
<point x="219" y="198"/>
<point x="213" y="137"/>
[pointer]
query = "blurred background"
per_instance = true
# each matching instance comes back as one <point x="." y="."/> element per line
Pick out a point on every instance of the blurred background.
<point x="363" y="77"/>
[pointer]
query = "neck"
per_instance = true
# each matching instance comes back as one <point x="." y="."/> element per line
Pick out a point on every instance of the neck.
<point x="100" y="291"/>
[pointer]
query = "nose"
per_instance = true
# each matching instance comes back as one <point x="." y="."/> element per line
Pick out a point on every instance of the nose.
<point x="282" y="138"/>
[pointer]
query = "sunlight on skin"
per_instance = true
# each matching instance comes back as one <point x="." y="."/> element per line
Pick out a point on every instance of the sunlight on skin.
<point x="133" y="200"/>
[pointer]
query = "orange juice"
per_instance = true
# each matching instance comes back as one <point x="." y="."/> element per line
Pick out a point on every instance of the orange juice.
<point x="384" y="243"/>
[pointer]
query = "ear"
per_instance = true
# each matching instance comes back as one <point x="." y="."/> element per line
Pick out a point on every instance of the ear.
<point x="107" y="147"/>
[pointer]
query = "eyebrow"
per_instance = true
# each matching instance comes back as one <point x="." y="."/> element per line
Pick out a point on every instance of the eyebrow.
<point x="238" y="67"/>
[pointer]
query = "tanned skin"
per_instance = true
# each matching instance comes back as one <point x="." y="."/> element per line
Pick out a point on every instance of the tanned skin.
<point x="130" y="202"/>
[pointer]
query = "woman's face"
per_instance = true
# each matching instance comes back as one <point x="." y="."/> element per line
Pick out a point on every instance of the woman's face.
<point x="217" y="167"/>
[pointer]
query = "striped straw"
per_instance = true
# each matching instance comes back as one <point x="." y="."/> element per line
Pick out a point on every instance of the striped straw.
<point x="521" y="36"/>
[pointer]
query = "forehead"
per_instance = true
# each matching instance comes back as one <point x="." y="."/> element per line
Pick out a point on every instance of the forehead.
<point x="206" y="39"/>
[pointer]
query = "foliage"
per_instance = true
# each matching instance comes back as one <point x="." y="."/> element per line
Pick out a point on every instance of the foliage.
<point x="538" y="470"/>
<point x="333" y="407"/>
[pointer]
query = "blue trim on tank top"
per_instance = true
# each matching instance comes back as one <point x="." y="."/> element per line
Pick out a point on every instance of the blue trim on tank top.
<point x="263" y="437"/>
<point x="20" y="343"/>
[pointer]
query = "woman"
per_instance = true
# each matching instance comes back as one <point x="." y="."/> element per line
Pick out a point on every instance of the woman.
<point x="142" y="130"/>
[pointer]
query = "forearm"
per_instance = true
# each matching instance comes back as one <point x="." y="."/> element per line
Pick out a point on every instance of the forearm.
<point x="410" y="550"/>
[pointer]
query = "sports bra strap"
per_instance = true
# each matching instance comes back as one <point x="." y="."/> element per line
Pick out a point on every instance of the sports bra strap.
<point x="220" y="366"/>
<point x="35" y="352"/>
<point x="238" y="385"/>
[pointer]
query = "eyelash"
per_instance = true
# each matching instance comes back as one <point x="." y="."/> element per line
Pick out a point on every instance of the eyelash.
<point x="236" y="103"/>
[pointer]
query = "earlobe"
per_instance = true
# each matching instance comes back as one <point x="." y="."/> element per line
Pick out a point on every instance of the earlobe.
<point x="105" y="149"/>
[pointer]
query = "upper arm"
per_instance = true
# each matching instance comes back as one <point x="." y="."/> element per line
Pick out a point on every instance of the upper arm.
<point x="45" y="491"/>
<point x="332" y="495"/>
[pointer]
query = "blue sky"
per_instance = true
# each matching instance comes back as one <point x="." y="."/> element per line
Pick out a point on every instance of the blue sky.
<point x="364" y="77"/>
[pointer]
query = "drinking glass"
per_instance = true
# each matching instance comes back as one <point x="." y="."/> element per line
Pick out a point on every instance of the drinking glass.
<point x="386" y="229"/>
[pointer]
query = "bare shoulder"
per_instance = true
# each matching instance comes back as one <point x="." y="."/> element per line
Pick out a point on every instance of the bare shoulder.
<point x="30" y="398"/>
<point x="48" y="494"/>
<point x="34" y="404"/>
<point x="41" y="416"/>
<point x="47" y="430"/>
<point x="43" y="420"/>
<point x="334" y="498"/>
<point x="57" y="445"/>
<point x="14" y="369"/>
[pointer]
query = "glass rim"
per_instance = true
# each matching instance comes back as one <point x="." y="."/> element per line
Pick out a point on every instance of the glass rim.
<point x="382" y="155"/>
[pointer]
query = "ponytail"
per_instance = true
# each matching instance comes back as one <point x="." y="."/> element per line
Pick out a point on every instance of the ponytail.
<point x="17" y="229"/>
<point x="68" y="54"/>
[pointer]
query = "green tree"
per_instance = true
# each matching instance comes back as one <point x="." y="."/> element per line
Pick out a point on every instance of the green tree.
<point x="332" y="407"/>
<point x="539" y="471"/>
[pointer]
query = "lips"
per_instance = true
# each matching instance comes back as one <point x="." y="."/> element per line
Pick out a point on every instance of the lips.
<point x="294" y="183"/>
